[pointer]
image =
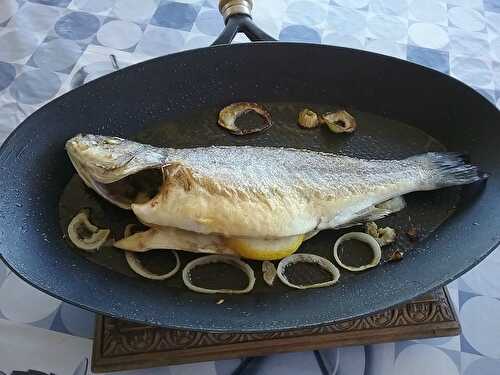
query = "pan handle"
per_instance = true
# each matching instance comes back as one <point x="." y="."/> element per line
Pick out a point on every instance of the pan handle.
<point x="238" y="19"/>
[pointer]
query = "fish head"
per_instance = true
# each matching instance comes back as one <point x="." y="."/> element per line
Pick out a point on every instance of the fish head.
<point x="107" y="163"/>
<point x="101" y="156"/>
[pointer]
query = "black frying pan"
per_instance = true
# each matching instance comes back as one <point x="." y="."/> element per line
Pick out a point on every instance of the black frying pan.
<point x="402" y="109"/>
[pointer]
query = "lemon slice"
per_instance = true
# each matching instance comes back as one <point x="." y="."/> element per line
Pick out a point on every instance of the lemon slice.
<point x="262" y="249"/>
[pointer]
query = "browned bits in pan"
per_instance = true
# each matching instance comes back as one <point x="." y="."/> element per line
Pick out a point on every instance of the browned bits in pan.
<point x="412" y="233"/>
<point x="396" y="256"/>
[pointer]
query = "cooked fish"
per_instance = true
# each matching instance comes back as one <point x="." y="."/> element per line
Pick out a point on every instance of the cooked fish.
<point x="252" y="191"/>
<point x="258" y="192"/>
<point x="179" y="239"/>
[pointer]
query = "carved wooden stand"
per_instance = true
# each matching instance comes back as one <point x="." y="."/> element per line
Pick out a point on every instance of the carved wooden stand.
<point x="121" y="345"/>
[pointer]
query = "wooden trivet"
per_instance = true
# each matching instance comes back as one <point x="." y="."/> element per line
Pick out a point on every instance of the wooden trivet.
<point x="121" y="345"/>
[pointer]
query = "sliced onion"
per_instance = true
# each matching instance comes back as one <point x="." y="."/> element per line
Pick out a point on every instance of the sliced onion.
<point x="135" y="264"/>
<point x="339" y="122"/>
<point x="363" y="237"/>
<point x="309" y="258"/>
<point x="268" y="272"/>
<point x="229" y="114"/>
<point x="233" y="261"/>
<point x="91" y="243"/>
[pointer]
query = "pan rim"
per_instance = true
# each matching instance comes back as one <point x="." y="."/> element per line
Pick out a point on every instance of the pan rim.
<point x="284" y="326"/>
<point x="235" y="46"/>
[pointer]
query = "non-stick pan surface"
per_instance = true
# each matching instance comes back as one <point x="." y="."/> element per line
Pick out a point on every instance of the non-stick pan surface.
<point x="403" y="109"/>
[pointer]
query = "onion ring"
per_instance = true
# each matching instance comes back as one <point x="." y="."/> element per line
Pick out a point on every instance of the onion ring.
<point x="309" y="258"/>
<point x="136" y="266"/>
<point x="229" y="114"/>
<point x="359" y="236"/>
<point x="93" y="237"/>
<point x="233" y="261"/>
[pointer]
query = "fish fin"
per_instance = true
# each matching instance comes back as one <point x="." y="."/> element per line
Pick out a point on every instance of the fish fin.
<point x="373" y="215"/>
<point x="394" y="204"/>
<point x="449" y="169"/>
<point x="376" y="212"/>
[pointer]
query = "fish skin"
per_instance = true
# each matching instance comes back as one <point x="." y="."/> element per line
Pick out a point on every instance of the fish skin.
<point x="262" y="191"/>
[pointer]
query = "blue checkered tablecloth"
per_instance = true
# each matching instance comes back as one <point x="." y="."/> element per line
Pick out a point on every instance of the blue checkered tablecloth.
<point x="48" y="47"/>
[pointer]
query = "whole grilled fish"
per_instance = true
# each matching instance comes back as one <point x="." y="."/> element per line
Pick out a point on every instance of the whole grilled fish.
<point x="261" y="192"/>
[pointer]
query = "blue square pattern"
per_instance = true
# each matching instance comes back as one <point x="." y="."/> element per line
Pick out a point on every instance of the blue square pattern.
<point x="299" y="33"/>
<point x="7" y="76"/>
<point x="56" y="3"/>
<point x="464" y="297"/>
<point x="176" y="15"/>
<point x="466" y="347"/>
<point x="491" y="5"/>
<point x="438" y="60"/>
<point x="477" y="365"/>
<point x="77" y="26"/>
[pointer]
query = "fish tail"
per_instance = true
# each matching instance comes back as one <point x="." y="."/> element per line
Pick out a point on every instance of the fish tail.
<point x="448" y="169"/>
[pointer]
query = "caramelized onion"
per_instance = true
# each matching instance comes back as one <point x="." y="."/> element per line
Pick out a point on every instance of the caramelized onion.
<point x="229" y="115"/>
<point x="339" y="122"/>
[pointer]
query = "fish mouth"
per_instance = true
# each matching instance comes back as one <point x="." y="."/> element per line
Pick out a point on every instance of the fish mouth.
<point x="138" y="187"/>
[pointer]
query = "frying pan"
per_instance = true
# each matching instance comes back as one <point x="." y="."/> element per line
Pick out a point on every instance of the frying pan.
<point x="402" y="109"/>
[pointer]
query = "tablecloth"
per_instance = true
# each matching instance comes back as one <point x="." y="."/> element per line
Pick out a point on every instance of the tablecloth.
<point x="48" y="47"/>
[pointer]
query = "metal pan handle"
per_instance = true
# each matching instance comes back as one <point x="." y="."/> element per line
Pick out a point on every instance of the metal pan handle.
<point x="238" y="19"/>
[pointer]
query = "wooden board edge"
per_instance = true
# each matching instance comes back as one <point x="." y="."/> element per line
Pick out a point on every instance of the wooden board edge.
<point x="304" y="343"/>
